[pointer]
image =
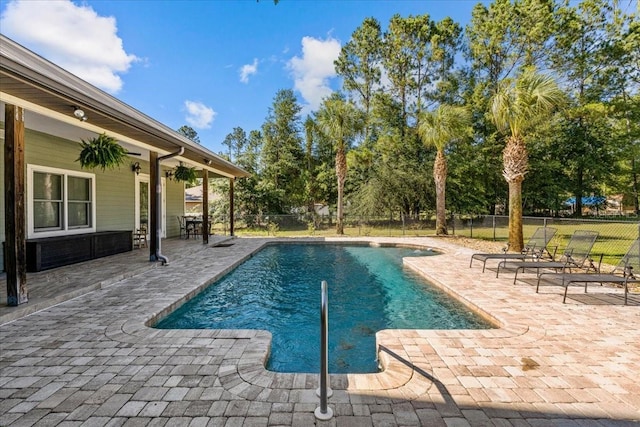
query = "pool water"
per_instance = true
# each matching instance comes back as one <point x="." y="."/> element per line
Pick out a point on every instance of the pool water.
<point x="278" y="289"/>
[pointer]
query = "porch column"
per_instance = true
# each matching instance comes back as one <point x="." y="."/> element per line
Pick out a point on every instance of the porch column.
<point x="14" y="206"/>
<point x="205" y="206"/>
<point x="231" y="182"/>
<point x="153" y="213"/>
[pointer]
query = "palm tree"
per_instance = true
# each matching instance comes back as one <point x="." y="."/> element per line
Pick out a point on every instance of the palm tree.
<point x="341" y="122"/>
<point x="439" y="128"/>
<point x="517" y="107"/>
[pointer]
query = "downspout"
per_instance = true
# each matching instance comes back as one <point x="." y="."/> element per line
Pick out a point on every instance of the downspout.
<point x="159" y="256"/>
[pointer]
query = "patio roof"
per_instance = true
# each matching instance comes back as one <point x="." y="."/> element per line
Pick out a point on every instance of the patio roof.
<point x="37" y="85"/>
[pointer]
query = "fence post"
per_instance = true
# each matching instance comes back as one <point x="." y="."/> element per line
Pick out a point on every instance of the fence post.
<point x="493" y="222"/>
<point x="453" y="223"/>
<point x="471" y="227"/>
<point x="403" y="224"/>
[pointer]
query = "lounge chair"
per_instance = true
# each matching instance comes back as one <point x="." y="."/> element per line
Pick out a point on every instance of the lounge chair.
<point x="622" y="274"/>
<point x="575" y="255"/>
<point x="535" y="247"/>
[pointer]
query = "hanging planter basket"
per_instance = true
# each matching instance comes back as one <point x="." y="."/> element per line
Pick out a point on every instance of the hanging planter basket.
<point x="185" y="174"/>
<point x="102" y="151"/>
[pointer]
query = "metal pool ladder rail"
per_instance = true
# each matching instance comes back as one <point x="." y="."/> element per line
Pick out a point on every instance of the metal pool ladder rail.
<point x="323" y="412"/>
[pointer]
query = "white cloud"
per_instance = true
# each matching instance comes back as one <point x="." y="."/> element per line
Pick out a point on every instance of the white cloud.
<point x="73" y="37"/>
<point x="199" y="115"/>
<point x="248" y="70"/>
<point x="312" y="71"/>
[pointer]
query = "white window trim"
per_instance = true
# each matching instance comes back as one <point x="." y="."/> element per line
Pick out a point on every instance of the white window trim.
<point x="31" y="232"/>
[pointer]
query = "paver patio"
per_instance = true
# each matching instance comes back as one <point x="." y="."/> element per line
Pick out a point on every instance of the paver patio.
<point x="93" y="361"/>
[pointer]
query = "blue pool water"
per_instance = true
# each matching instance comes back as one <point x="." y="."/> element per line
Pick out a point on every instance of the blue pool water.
<point x="278" y="289"/>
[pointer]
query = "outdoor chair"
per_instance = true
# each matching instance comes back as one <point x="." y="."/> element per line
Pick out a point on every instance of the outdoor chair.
<point x="622" y="274"/>
<point x="536" y="247"/>
<point x="183" y="227"/>
<point x="576" y="255"/>
<point x="140" y="237"/>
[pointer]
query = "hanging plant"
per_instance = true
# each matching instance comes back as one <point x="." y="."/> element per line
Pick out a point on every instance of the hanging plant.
<point x="102" y="151"/>
<point x="184" y="173"/>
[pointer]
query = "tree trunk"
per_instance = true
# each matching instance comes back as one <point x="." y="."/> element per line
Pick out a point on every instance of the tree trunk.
<point x="440" y="178"/>
<point x="579" y="192"/>
<point x="516" y="240"/>
<point x="341" y="174"/>
<point x="515" y="163"/>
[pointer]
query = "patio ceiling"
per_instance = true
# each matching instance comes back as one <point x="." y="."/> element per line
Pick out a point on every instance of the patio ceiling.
<point x="41" y="87"/>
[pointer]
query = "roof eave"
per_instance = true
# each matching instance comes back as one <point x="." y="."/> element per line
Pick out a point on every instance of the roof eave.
<point x="65" y="90"/>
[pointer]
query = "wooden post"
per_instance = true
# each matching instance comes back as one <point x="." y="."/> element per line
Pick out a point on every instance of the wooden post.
<point x="153" y="214"/>
<point x="14" y="206"/>
<point x="205" y="206"/>
<point x="231" y="182"/>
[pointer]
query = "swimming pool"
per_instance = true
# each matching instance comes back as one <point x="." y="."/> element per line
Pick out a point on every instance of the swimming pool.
<point x="278" y="289"/>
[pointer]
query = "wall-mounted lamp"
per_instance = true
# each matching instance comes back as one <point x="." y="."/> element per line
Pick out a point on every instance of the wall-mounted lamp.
<point x="207" y="162"/>
<point x="80" y="115"/>
<point x="169" y="174"/>
<point x="135" y="167"/>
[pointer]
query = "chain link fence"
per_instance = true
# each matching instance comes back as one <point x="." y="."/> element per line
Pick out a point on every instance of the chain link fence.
<point x="615" y="236"/>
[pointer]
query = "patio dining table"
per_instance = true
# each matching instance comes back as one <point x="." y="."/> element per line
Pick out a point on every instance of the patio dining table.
<point x="192" y="223"/>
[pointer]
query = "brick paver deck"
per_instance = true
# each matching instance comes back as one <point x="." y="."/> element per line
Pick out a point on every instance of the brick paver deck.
<point x="93" y="361"/>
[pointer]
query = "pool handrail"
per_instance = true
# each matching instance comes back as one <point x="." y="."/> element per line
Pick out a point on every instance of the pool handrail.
<point x="323" y="412"/>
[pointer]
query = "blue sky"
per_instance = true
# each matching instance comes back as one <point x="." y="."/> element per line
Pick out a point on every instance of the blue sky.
<point x="212" y="65"/>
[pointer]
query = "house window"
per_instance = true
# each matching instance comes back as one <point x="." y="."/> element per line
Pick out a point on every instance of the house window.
<point x="47" y="201"/>
<point x="79" y="201"/>
<point x="62" y="202"/>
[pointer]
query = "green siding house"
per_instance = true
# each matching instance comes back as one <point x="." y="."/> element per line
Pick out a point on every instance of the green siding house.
<point x="49" y="197"/>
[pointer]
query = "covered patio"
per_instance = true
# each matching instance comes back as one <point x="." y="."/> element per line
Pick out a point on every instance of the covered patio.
<point x="51" y="287"/>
